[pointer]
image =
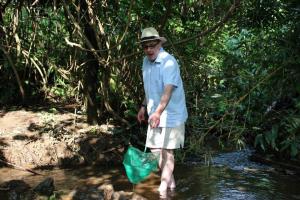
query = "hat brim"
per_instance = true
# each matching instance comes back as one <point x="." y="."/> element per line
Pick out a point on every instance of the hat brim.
<point x="162" y="39"/>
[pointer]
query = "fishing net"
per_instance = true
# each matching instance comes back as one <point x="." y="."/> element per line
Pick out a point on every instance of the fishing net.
<point x="138" y="164"/>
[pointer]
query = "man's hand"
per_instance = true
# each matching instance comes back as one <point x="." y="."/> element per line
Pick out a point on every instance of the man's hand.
<point x="141" y="114"/>
<point x="154" y="120"/>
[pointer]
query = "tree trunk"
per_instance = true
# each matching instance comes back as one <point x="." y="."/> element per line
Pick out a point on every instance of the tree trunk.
<point x="91" y="82"/>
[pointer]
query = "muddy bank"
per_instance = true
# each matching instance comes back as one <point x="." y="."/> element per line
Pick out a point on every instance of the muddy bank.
<point x="37" y="139"/>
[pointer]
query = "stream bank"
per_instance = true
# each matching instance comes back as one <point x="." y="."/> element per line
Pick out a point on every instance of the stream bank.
<point x="36" y="139"/>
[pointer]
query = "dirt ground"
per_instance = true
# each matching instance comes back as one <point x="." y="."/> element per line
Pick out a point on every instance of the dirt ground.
<point x="53" y="138"/>
<point x="38" y="138"/>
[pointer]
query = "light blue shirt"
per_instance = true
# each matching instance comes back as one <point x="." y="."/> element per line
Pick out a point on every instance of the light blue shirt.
<point x="163" y="71"/>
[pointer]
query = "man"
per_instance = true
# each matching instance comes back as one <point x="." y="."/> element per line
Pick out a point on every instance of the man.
<point x="165" y="104"/>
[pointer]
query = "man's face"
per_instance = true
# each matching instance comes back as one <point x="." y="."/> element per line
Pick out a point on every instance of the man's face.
<point x="151" y="49"/>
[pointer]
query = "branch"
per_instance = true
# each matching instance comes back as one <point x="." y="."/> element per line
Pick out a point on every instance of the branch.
<point x="127" y="25"/>
<point x="111" y="111"/>
<point x="100" y="27"/>
<point x="19" y="167"/>
<point x="216" y="26"/>
<point x="166" y="15"/>
<point x="73" y="44"/>
<point x="5" y="5"/>
<point x="35" y="2"/>
<point x="82" y="35"/>
<point x="2" y="9"/>
<point x="239" y="101"/>
<point x="97" y="26"/>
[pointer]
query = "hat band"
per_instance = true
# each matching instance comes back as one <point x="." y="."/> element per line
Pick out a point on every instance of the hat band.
<point x="150" y="38"/>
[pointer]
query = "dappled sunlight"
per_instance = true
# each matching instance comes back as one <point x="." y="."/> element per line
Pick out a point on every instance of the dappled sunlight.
<point x="148" y="188"/>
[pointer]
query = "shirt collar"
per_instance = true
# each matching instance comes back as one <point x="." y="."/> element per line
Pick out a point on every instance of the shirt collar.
<point x="159" y="58"/>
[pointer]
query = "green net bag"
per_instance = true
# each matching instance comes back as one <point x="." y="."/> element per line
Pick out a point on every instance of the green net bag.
<point x="138" y="164"/>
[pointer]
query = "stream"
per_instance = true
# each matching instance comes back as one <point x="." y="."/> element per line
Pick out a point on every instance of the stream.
<point x="230" y="176"/>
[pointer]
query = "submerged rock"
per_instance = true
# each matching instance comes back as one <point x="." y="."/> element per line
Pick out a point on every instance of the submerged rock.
<point x="46" y="187"/>
<point x="16" y="190"/>
<point x="102" y="192"/>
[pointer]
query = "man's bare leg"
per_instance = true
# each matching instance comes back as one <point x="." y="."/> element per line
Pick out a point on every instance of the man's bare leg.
<point x="172" y="184"/>
<point x="158" y="152"/>
<point x="166" y="164"/>
<point x="167" y="171"/>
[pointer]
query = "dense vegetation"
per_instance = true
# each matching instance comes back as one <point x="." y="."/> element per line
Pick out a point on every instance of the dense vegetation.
<point x="239" y="61"/>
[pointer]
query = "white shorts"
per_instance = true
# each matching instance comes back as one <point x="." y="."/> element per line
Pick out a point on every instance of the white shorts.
<point x="164" y="137"/>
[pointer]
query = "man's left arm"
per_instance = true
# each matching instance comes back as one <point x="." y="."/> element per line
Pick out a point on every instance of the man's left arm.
<point x="154" y="119"/>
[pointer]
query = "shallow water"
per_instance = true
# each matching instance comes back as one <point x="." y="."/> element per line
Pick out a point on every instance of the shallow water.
<point x="230" y="176"/>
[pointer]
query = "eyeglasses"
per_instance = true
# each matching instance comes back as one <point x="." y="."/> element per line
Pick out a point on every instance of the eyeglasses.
<point x="151" y="45"/>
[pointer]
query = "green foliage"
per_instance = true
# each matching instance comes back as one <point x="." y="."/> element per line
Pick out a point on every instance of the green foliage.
<point x="246" y="70"/>
<point x="283" y="138"/>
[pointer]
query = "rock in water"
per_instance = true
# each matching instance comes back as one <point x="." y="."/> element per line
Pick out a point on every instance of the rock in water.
<point x="46" y="187"/>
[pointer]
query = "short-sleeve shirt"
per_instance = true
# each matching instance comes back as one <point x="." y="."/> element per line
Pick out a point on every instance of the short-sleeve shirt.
<point x="156" y="75"/>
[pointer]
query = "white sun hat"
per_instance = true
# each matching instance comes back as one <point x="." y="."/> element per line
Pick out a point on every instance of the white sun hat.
<point x="149" y="34"/>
